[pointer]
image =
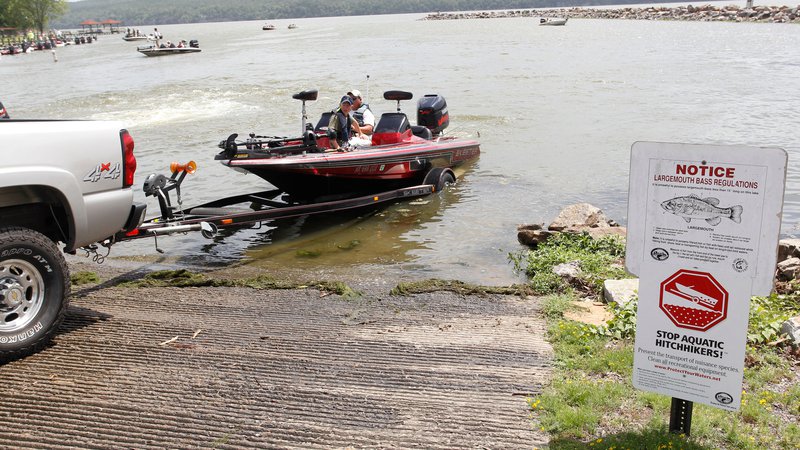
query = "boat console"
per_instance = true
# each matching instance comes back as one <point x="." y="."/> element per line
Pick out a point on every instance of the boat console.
<point x="393" y="128"/>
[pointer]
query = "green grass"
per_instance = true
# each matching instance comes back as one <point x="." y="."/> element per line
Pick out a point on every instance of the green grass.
<point x="599" y="259"/>
<point x="592" y="396"/>
<point x="591" y="401"/>
<point x="81" y="278"/>
<point x="767" y="314"/>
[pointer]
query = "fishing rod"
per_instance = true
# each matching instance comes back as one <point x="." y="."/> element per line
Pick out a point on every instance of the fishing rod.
<point x="366" y="100"/>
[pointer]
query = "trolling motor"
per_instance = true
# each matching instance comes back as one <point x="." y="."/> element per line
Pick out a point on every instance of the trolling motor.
<point x="230" y="146"/>
<point x="306" y="129"/>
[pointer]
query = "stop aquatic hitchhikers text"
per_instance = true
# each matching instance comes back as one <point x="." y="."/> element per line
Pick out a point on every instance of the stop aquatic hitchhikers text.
<point x="707" y="175"/>
<point x="691" y="344"/>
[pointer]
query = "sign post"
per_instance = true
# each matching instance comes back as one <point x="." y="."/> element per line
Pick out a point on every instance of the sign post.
<point x="703" y="225"/>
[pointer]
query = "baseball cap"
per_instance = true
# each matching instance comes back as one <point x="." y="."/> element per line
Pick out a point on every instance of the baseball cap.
<point x="354" y="93"/>
<point x="346" y="99"/>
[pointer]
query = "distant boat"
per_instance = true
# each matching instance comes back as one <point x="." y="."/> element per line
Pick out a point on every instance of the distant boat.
<point x="268" y="26"/>
<point x="553" y="21"/>
<point x="292" y="26"/>
<point x="152" y="50"/>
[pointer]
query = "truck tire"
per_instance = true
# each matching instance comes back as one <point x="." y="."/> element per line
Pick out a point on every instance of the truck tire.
<point x="34" y="291"/>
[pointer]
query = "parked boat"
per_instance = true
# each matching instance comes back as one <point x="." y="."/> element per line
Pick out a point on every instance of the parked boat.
<point x="11" y="50"/>
<point x="553" y="21"/>
<point x="136" y="38"/>
<point x="401" y="155"/>
<point x="292" y="26"/>
<point x="152" y="50"/>
<point x="268" y="27"/>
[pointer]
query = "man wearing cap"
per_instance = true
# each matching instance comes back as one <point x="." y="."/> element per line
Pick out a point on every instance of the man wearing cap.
<point x="361" y="113"/>
<point x="341" y="123"/>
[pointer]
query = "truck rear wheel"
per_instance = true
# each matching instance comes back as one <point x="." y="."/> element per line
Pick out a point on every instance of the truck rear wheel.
<point x="34" y="291"/>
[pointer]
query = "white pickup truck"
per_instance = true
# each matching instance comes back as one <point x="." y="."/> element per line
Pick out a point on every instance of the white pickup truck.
<point x="66" y="182"/>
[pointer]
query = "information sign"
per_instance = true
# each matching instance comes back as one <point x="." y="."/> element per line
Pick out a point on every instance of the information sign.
<point x="703" y="224"/>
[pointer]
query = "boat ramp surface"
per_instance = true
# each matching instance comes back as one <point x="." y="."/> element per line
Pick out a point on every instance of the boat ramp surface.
<point x="244" y="368"/>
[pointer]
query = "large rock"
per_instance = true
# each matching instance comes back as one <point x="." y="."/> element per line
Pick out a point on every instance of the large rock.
<point x="620" y="291"/>
<point x="599" y="232"/>
<point x="788" y="269"/>
<point x="571" y="273"/>
<point x="581" y="215"/>
<point x="578" y="218"/>
<point x="791" y="328"/>
<point x="569" y="270"/>
<point x="788" y="248"/>
<point x="532" y="234"/>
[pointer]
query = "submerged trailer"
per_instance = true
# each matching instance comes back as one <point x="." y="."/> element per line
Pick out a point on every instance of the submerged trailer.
<point x="240" y="211"/>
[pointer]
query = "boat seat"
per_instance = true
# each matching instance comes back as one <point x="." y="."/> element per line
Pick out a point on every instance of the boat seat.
<point x="324" y="120"/>
<point x="422" y="132"/>
<point x="398" y="95"/>
<point x="308" y="95"/>
<point x="392" y="122"/>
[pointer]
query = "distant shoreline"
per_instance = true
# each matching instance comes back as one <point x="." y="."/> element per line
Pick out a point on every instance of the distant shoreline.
<point x="704" y="13"/>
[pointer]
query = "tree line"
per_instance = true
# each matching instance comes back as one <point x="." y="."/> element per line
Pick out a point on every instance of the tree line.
<point x="30" y="14"/>
<point x="158" y="12"/>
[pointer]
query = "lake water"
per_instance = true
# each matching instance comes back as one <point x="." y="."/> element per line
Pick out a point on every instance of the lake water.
<point x="556" y="110"/>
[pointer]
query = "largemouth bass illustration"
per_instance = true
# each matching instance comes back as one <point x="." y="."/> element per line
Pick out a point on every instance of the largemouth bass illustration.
<point x="694" y="207"/>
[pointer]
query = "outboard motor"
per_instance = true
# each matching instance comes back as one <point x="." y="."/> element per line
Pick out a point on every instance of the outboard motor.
<point x="432" y="113"/>
<point x="194" y="44"/>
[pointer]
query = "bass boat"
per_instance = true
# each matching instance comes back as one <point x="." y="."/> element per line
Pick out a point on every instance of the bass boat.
<point x="152" y="50"/>
<point x="399" y="155"/>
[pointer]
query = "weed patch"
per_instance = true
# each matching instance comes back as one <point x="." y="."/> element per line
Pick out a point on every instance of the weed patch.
<point x="81" y="278"/>
<point x="767" y="314"/>
<point x="184" y="278"/>
<point x="459" y="287"/>
<point x="599" y="260"/>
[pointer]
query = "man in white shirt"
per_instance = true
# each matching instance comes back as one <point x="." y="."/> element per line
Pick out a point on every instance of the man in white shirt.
<point x="361" y="113"/>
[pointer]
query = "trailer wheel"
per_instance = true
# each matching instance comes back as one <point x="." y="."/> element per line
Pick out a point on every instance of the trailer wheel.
<point x="439" y="178"/>
<point x="34" y="291"/>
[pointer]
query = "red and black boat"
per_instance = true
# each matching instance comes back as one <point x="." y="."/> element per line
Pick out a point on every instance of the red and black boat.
<point x="400" y="155"/>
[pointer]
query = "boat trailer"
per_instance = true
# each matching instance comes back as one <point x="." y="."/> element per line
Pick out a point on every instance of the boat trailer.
<point x="250" y="210"/>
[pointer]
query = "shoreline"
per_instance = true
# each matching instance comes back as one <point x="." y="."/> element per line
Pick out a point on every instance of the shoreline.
<point x="703" y="13"/>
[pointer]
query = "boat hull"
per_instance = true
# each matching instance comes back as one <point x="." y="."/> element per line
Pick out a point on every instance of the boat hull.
<point x="362" y="171"/>
<point x="167" y="51"/>
<point x="553" y="22"/>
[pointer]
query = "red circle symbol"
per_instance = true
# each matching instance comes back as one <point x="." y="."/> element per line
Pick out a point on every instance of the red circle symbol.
<point x="693" y="300"/>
